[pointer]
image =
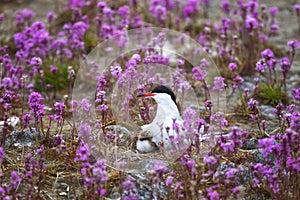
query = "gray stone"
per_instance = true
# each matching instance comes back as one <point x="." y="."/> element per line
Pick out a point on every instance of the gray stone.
<point x="250" y="144"/>
<point x="22" y="138"/>
<point x="266" y="111"/>
<point x="123" y="133"/>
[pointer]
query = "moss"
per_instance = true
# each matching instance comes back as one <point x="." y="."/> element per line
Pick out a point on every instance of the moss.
<point x="272" y="94"/>
<point x="58" y="80"/>
<point x="90" y="40"/>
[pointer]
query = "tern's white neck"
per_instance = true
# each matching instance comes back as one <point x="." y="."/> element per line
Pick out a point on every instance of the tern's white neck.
<point x="166" y="108"/>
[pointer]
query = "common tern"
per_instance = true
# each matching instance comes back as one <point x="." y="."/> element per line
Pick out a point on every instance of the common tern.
<point x="160" y="132"/>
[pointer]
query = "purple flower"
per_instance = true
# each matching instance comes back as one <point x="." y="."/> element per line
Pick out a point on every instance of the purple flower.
<point x="231" y="172"/>
<point x="251" y="23"/>
<point x="293" y="44"/>
<point x="99" y="171"/>
<point x="252" y="6"/>
<point x="7" y="98"/>
<point x="100" y="96"/>
<point x="278" y="110"/>
<point x="188" y="116"/>
<point x="223" y="53"/>
<point x="26" y="119"/>
<point x="261" y="66"/>
<point x="116" y="71"/>
<point x="82" y="153"/>
<point x="128" y="184"/>
<point x="2" y="17"/>
<point x="232" y="66"/>
<point x="36" y="61"/>
<point x="59" y="106"/>
<point x="53" y="69"/>
<point x="273" y="10"/>
<point x="78" y="4"/>
<point x="293" y="163"/>
<point x="226" y="6"/>
<point x="135" y="59"/>
<point x="6" y="83"/>
<point x="86" y="105"/>
<point x="180" y="62"/>
<point x="225" y="24"/>
<point x="292" y="108"/>
<point x="254" y="116"/>
<point x="296" y="94"/>
<point x="274" y="28"/>
<point x="2" y="154"/>
<point x="158" y="10"/>
<point x="252" y="104"/>
<point x="124" y="11"/>
<point x="169" y="180"/>
<point x="267" y="145"/>
<point x="102" y="107"/>
<point x="131" y="197"/>
<point x="295" y="121"/>
<point x="2" y="193"/>
<point x="35" y="97"/>
<point x="57" y="139"/>
<point x="238" y="80"/>
<point x="262" y="37"/>
<point x="50" y="16"/>
<point x="272" y="62"/>
<point x="15" y="179"/>
<point x="191" y="7"/>
<point x="74" y="106"/>
<point x="35" y="103"/>
<point x="199" y="73"/>
<point x="297" y="9"/>
<point x="267" y="54"/>
<point x="84" y="130"/>
<point x="101" y="4"/>
<point x="219" y="119"/>
<point x="285" y="64"/>
<point x="94" y="176"/>
<point x="211" y="160"/>
<point x="23" y="16"/>
<point x="219" y="84"/>
<point x="212" y="194"/>
<point x="237" y="189"/>
<point x="159" y="168"/>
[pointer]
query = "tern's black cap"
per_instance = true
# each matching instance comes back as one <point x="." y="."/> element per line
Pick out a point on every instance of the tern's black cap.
<point x="164" y="89"/>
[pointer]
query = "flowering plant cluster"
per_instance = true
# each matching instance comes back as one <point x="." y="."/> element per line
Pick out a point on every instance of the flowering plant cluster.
<point x="45" y="152"/>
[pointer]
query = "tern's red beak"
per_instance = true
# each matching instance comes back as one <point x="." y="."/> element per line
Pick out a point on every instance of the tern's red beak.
<point x="146" y="95"/>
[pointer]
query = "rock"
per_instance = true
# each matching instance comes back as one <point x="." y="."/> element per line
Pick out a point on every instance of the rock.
<point x="243" y="175"/>
<point x="248" y="83"/>
<point x="22" y="138"/>
<point x="62" y="189"/>
<point x="123" y="133"/>
<point x="257" y="156"/>
<point x="12" y="121"/>
<point x="250" y="144"/>
<point x="266" y="111"/>
<point x="198" y="108"/>
<point x="145" y="190"/>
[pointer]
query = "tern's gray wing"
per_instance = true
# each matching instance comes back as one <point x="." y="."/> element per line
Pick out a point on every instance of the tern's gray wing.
<point x="145" y="134"/>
